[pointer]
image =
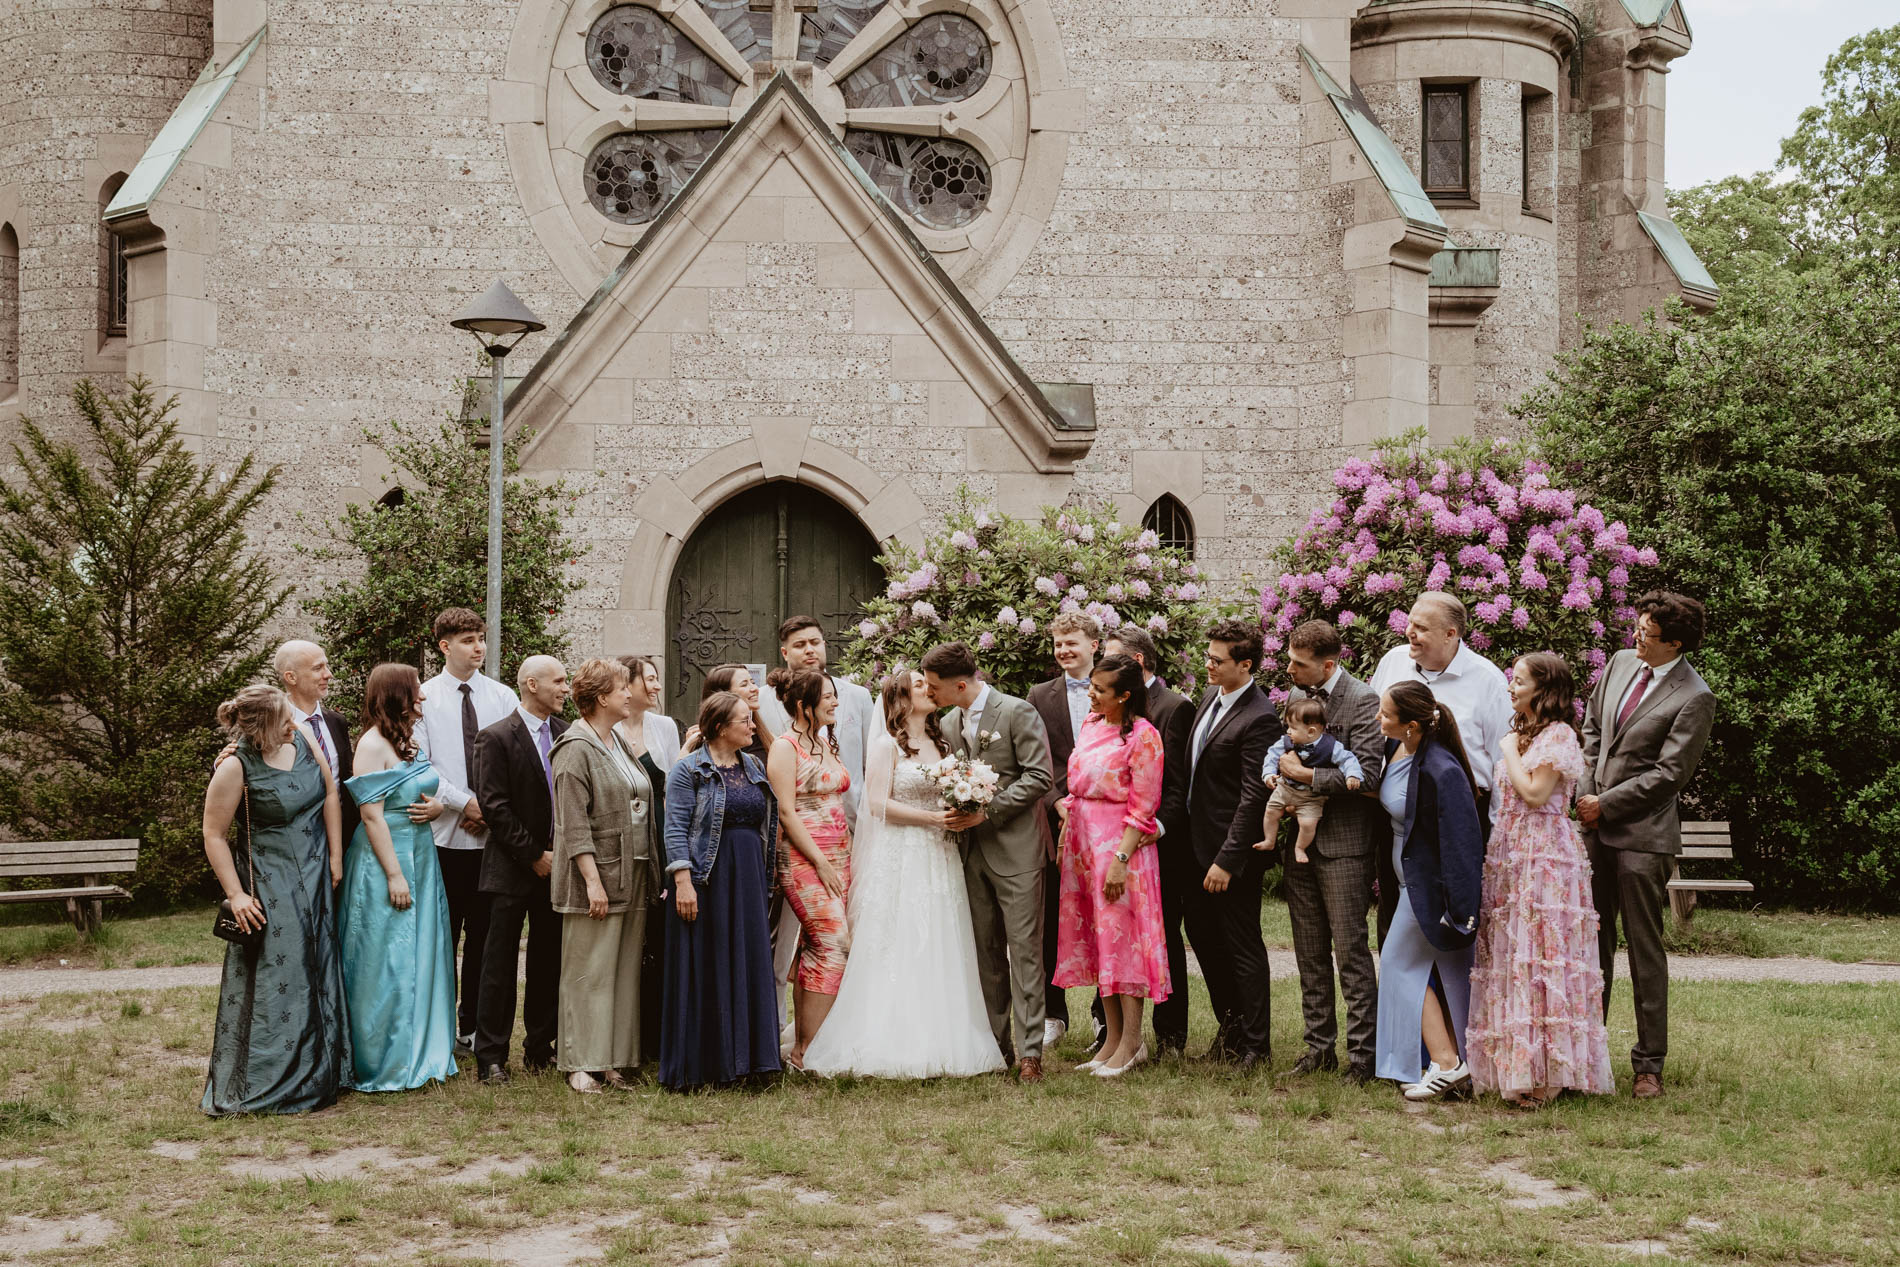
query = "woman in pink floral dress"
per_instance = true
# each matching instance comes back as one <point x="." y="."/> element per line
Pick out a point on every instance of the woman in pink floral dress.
<point x="1536" y="1025"/>
<point x="1109" y="933"/>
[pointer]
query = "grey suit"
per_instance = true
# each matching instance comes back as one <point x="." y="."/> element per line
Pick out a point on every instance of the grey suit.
<point x="1328" y="896"/>
<point x="1637" y="771"/>
<point x="1002" y="865"/>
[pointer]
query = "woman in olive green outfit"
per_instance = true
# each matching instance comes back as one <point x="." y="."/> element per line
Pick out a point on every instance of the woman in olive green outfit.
<point x="606" y="864"/>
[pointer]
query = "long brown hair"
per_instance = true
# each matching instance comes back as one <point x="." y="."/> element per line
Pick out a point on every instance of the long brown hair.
<point x="895" y="701"/>
<point x="1553" y="697"/>
<point x="720" y="679"/>
<point x="391" y="700"/>
<point x="1413" y="702"/>
<point x="800" y="692"/>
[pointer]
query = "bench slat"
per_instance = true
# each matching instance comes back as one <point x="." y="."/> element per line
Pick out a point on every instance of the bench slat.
<point x="60" y="895"/>
<point x="1706" y="852"/>
<point x="55" y="856"/>
<point x="1705" y="829"/>
<point x="83" y="866"/>
<point x="35" y="846"/>
<point x="1711" y="886"/>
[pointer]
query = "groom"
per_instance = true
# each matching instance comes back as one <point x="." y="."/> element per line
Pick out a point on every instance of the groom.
<point x="1002" y="846"/>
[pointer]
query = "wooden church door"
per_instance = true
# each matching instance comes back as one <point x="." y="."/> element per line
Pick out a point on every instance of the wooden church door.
<point x="775" y="551"/>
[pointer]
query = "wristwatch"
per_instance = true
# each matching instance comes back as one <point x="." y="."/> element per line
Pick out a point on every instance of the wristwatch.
<point x="1121" y="857"/>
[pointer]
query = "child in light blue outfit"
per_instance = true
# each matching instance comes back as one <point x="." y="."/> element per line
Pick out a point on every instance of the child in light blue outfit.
<point x="1305" y="735"/>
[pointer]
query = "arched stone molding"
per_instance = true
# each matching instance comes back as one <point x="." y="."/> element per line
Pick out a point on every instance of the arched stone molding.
<point x="671" y="509"/>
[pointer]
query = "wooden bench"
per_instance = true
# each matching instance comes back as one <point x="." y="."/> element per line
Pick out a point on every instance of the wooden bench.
<point x="87" y="859"/>
<point x="1701" y="842"/>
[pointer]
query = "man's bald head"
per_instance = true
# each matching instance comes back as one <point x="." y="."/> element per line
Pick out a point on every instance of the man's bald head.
<point x="538" y="667"/>
<point x="304" y="670"/>
<point x="543" y="682"/>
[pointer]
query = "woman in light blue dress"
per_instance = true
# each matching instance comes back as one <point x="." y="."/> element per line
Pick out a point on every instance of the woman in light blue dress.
<point x="1429" y="889"/>
<point x="392" y="912"/>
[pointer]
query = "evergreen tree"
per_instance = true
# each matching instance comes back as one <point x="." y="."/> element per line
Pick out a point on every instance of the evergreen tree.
<point x="130" y="606"/>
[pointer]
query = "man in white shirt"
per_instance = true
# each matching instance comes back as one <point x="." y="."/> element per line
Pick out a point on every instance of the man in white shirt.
<point x="801" y="645"/>
<point x="457" y="704"/>
<point x="1475" y="689"/>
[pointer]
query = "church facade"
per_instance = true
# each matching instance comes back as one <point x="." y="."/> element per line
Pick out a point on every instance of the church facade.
<point x="809" y="266"/>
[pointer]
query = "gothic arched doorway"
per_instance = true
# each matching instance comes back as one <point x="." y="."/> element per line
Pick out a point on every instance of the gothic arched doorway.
<point x="774" y="551"/>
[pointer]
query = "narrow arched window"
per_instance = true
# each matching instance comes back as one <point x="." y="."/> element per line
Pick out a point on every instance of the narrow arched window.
<point x="394" y="497"/>
<point x="1170" y="521"/>
<point x="113" y="275"/>
<point x="9" y="313"/>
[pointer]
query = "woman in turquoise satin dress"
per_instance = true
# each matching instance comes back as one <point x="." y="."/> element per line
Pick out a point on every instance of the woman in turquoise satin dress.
<point x="392" y="911"/>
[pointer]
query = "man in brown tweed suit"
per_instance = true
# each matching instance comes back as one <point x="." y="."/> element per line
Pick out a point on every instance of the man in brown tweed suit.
<point x="1327" y="896"/>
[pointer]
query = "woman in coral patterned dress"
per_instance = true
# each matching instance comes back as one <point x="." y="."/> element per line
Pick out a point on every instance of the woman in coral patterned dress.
<point x="1536" y="1025"/>
<point x="815" y="871"/>
<point x="1109" y="933"/>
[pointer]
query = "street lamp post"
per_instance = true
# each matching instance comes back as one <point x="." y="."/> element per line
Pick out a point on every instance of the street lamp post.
<point x="492" y="318"/>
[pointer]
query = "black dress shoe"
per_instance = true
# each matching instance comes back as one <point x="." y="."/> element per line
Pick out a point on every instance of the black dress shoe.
<point x="495" y="1075"/>
<point x="1251" y="1062"/>
<point x="1358" y="1073"/>
<point x="1313" y="1062"/>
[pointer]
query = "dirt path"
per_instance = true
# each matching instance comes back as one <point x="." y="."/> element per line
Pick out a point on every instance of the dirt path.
<point x="32" y="983"/>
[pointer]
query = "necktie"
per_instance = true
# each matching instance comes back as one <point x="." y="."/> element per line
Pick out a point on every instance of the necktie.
<point x="1207" y="732"/>
<point x="1636" y="696"/>
<point x="542" y="742"/>
<point x="316" y="731"/>
<point x="470" y="728"/>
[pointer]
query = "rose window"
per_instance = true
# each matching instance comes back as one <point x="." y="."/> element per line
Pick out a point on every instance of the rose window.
<point x="895" y="86"/>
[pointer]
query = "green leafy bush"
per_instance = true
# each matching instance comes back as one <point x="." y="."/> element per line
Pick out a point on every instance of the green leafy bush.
<point x="995" y="582"/>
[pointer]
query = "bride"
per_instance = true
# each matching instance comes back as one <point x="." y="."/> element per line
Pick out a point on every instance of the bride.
<point x="911" y="1003"/>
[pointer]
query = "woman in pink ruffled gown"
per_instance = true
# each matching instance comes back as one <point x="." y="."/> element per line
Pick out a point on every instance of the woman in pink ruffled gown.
<point x="1110" y="933"/>
<point x="1536" y="1025"/>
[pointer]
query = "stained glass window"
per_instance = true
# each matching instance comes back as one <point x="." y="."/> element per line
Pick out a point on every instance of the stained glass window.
<point x="1447" y="141"/>
<point x="636" y="52"/>
<point x="823" y="35"/>
<point x="749" y="29"/>
<point x="937" y="181"/>
<point x="632" y="175"/>
<point x="942" y="58"/>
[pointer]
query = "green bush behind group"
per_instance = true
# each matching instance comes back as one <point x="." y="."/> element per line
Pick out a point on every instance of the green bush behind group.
<point x="1756" y="448"/>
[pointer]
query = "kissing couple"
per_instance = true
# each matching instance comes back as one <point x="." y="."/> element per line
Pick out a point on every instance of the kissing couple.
<point x="945" y="908"/>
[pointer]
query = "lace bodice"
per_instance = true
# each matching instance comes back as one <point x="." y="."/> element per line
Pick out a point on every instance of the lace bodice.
<point x="914" y="785"/>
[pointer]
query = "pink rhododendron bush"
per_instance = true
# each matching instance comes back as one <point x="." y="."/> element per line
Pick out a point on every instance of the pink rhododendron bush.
<point x="1538" y="569"/>
<point x="995" y="581"/>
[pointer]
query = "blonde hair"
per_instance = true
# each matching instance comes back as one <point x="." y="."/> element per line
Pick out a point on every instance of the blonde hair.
<point x="595" y="680"/>
<point x="1076" y="622"/>
<point x="257" y="713"/>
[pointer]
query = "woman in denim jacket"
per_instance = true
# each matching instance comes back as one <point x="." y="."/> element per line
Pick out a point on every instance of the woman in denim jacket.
<point x="720" y="1021"/>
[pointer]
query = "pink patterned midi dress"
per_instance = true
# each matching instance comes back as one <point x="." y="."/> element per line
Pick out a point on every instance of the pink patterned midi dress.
<point x="1537" y="985"/>
<point x="824" y="934"/>
<point x="1118" y="947"/>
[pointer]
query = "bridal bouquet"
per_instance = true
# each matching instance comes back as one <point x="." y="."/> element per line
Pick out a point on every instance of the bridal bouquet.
<point x="964" y="785"/>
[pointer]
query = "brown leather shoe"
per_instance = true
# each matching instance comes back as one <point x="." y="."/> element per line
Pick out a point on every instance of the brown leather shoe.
<point x="1648" y="1086"/>
<point x="1029" y="1069"/>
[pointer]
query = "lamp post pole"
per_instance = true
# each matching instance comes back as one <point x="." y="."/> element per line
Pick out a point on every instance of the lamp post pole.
<point x="491" y="318"/>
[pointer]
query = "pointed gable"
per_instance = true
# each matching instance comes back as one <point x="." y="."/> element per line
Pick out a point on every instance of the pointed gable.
<point x="876" y="297"/>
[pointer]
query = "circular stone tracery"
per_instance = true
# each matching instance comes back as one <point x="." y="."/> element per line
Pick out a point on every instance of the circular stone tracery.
<point x="632" y="175"/>
<point x="935" y="180"/>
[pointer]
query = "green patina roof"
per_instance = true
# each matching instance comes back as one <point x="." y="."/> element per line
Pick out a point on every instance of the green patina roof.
<point x="1652" y="12"/>
<point x="1677" y="252"/>
<point x="1465" y="266"/>
<point x="1383" y="156"/>
<point x="169" y="147"/>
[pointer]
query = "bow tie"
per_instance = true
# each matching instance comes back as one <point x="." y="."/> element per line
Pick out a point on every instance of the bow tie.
<point x="1077" y="684"/>
<point x="1320" y="693"/>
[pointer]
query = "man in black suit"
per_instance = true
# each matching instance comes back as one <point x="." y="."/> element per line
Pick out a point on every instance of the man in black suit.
<point x="1062" y="702"/>
<point x="514" y="782"/>
<point x="1227" y="800"/>
<point x="1173" y="715"/>
<point x="304" y="670"/>
<point x="1328" y="895"/>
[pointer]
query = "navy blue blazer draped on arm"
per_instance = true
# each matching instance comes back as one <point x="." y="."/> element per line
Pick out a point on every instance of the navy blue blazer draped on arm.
<point x="1444" y="851"/>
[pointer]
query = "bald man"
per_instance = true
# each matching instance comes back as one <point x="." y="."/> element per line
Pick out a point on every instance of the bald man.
<point x="304" y="671"/>
<point x="514" y="781"/>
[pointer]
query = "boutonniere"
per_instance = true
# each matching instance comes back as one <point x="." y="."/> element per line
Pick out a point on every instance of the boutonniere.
<point x="985" y="737"/>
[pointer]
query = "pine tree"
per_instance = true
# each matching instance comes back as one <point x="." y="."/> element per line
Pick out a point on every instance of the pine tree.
<point x="131" y="604"/>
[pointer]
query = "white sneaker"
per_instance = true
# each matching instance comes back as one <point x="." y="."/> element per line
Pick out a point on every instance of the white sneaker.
<point x="1052" y="1032"/>
<point x="1440" y="1084"/>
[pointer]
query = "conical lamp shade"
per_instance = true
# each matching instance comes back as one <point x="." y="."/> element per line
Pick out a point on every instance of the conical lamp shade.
<point x="497" y="312"/>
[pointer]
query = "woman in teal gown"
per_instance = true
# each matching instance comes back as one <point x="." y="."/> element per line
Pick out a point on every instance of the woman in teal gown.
<point x="392" y="912"/>
<point x="282" y="1044"/>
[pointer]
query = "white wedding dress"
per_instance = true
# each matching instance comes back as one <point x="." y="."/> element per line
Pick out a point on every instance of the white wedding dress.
<point x="911" y="1003"/>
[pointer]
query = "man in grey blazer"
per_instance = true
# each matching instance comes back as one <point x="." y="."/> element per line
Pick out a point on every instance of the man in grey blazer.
<point x="1003" y="847"/>
<point x="1328" y="895"/>
<point x="1643" y="735"/>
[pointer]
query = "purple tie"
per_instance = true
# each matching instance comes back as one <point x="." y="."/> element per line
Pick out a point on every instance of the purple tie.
<point x="316" y="732"/>
<point x="541" y="742"/>
<point x="1636" y="696"/>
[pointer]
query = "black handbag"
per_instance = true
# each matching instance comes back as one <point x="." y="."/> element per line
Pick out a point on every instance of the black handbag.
<point x="226" y="925"/>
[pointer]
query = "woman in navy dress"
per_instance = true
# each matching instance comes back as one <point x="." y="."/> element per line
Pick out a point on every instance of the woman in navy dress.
<point x="393" y="913"/>
<point x="1429" y="892"/>
<point x="720" y="1020"/>
<point x="282" y="1044"/>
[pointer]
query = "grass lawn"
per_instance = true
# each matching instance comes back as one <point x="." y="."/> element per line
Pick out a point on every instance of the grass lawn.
<point x="1778" y="1143"/>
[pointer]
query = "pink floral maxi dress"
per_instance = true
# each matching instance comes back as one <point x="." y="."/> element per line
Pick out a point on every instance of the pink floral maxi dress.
<point x="1537" y="986"/>
<point x="824" y="937"/>
<point x="1118" y="947"/>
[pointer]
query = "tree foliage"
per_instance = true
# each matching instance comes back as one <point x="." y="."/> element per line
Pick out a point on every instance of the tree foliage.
<point x="995" y="581"/>
<point x="406" y="559"/>
<point x="131" y="605"/>
<point x="1762" y="455"/>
